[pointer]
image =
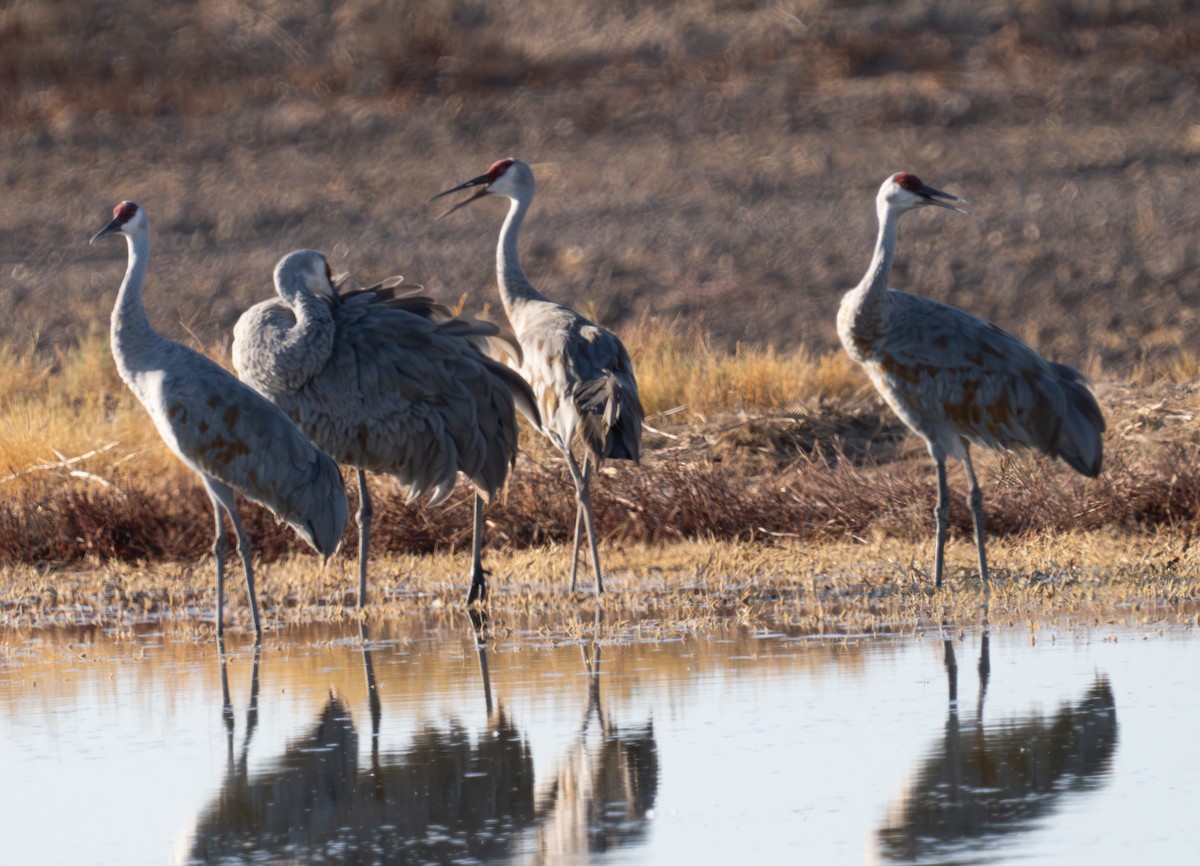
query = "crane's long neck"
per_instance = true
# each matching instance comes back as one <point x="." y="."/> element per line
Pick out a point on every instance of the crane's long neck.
<point x="131" y="331"/>
<point x="861" y="316"/>
<point x="514" y="285"/>
<point x="309" y="310"/>
<point x="304" y="349"/>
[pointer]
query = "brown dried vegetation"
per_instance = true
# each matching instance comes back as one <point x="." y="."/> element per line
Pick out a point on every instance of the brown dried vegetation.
<point x="820" y="467"/>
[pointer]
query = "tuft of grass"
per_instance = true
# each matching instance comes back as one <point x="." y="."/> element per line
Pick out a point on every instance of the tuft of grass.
<point x="1180" y="367"/>
<point x="66" y="418"/>
<point x="680" y="366"/>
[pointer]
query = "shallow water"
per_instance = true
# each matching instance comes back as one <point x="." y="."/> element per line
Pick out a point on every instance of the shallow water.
<point x="1070" y="746"/>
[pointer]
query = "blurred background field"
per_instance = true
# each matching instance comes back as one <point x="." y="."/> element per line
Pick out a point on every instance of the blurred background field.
<point x="706" y="178"/>
<point x="714" y="161"/>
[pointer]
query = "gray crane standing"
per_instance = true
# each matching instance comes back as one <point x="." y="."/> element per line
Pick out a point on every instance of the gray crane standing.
<point x="223" y="430"/>
<point x="387" y="381"/>
<point x="580" y="372"/>
<point x="958" y="380"/>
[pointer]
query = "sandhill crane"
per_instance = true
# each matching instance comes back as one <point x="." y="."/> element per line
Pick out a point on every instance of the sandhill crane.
<point x="958" y="380"/>
<point x="223" y="430"/>
<point x="580" y="372"/>
<point x="387" y="381"/>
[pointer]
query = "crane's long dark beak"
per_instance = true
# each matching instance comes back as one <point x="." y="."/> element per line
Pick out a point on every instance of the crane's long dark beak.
<point x="942" y="199"/>
<point x="483" y="180"/>
<point x="107" y="230"/>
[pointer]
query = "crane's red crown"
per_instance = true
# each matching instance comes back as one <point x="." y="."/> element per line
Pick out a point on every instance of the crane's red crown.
<point x="497" y="168"/>
<point x="907" y="181"/>
<point x="125" y="211"/>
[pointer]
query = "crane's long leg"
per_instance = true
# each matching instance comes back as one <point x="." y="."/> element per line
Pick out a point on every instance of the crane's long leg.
<point x="222" y="496"/>
<point x="587" y="470"/>
<point x="578" y="523"/>
<point x="363" y="516"/>
<point x="975" y="498"/>
<point x="478" y="590"/>
<point x="218" y="550"/>
<point x="583" y="504"/>
<point x="246" y="552"/>
<point x="942" y="514"/>
<point x="575" y="545"/>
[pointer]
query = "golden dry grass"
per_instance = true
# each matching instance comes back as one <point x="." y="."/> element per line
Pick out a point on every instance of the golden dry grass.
<point x="680" y="367"/>
<point x="66" y="419"/>
<point x="808" y="453"/>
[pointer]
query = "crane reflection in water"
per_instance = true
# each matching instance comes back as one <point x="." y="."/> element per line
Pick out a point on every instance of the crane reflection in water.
<point x="983" y="782"/>
<point x="604" y="790"/>
<point x="446" y="797"/>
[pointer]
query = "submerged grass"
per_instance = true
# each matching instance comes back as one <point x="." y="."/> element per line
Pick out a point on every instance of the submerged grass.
<point x="662" y="592"/>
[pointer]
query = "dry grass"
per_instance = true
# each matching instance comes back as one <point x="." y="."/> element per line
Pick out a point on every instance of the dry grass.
<point x="680" y="367"/>
<point x="809" y="455"/>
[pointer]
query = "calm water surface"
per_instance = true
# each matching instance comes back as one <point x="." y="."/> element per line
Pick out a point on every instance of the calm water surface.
<point x="1077" y="747"/>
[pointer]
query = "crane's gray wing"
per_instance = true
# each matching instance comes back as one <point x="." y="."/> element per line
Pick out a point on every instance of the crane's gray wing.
<point x="407" y="392"/>
<point x="958" y="371"/>
<point x="489" y="337"/>
<point x="224" y="429"/>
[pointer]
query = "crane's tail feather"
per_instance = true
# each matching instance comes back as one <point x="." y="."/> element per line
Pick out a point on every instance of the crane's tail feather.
<point x="391" y="287"/>
<point x="610" y="417"/>
<point x="1080" y="441"/>
<point x="490" y="339"/>
<point x="503" y="347"/>
<point x="326" y="512"/>
<point x="522" y="394"/>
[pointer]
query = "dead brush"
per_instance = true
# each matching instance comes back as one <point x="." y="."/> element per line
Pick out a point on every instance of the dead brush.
<point x="675" y="495"/>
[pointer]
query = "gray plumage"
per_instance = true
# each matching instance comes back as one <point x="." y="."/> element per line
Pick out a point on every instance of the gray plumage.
<point x="223" y="430"/>
<point x="959" y="380"/>
<point x="386" y="381"/>
<point x="580" y="372"/>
